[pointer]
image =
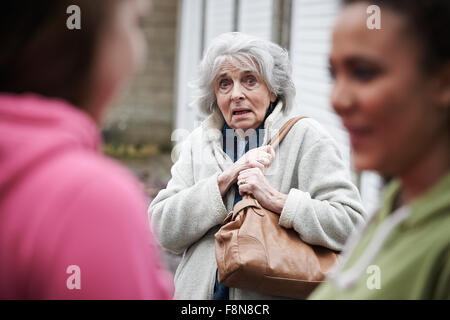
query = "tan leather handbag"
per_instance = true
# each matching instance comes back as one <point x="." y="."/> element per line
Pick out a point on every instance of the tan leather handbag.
<point x="253" y="252"/>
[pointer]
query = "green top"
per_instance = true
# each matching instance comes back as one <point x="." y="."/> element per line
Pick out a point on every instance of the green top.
<point x="413" y="262"/>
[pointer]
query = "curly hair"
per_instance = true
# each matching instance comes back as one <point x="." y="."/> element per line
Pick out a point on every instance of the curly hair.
<point x="262" y="56"/>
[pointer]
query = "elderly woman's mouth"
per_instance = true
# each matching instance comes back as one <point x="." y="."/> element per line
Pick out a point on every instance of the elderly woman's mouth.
<point x="241" y="112"/>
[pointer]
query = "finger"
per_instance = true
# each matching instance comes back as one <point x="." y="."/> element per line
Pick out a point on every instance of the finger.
<point x="265" y="161"/>
<point x="256" y="170"/>
<point x="271" y="151"/>
<point x="254" y="156"/>
<point x="245" y="174"/>
<point x="264" y="151"/>
<point x="254" y="164"/>
<point x="241" y="182"/>
<point x="248" y="174"/>
<point x="266" y="148"/>
<point x="257" y="153"/>
<point x="242" y="193"/>
<point x="244" y="189"/>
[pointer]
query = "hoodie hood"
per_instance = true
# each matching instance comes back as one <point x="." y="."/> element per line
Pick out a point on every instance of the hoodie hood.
<point x="33" y="128"/>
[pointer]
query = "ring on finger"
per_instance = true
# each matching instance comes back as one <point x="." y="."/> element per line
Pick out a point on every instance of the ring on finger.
<point x="241" y="182"/>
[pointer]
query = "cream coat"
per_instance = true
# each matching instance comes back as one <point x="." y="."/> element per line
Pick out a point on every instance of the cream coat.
<point x="323" y="205"/>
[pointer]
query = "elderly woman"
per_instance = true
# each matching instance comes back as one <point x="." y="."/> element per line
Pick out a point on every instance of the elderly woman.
<point x="245" y="85"/>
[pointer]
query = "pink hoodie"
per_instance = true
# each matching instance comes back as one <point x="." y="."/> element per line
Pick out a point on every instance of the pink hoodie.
<point x="73" y="223"/>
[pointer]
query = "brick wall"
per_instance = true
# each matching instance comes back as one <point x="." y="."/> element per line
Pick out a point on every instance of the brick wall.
<point x="145" y="112"/>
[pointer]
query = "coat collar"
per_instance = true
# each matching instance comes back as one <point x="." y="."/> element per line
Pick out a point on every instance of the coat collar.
<point x="212" y="126"/>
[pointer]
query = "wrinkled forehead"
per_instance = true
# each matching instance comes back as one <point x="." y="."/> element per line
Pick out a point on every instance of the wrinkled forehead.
<point x="228" y="65"/>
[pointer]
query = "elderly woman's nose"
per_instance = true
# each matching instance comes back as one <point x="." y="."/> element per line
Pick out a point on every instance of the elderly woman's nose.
<point x="237" y="92"/>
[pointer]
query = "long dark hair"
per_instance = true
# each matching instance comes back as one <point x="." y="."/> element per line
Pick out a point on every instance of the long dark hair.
<point x="39" y="54"/>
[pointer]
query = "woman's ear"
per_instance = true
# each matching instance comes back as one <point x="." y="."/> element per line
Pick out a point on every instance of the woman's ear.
<point x="273" y="97"/>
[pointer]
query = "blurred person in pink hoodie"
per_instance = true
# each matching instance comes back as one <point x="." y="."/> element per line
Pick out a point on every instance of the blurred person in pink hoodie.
<point x="73" y="223"/>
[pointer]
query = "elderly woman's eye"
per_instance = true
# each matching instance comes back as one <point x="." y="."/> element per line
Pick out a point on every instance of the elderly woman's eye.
<point x="224" y="83"/>
<point x="250" y="80"/>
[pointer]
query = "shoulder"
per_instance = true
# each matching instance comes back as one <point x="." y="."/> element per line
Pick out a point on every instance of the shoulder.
<point x="96" y="216"/>
<point x="199" y="138"/>
<point x="89" y="175"/>
<point x="436" y="229"/>
<point x="309" y="134"/>
<point x="311" y="130"/>
<point x="89" y="165"/>
<point x="97" y="195"/>
<point x="185" y="142"/>
<point x="189" y="139"/>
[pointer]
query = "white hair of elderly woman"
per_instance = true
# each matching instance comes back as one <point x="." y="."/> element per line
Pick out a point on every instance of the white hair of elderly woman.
<point x="262" y="56"/>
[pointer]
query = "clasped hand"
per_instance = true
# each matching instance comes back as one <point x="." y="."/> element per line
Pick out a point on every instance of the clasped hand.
<point x="248" y="173"/>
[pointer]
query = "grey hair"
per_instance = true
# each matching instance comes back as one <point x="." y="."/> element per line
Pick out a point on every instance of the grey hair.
<point x="263" y="56"/>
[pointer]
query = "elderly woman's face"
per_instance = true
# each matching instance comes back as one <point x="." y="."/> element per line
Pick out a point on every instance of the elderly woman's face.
<point x="242" y="96"/>
<point x="384" y="98"/>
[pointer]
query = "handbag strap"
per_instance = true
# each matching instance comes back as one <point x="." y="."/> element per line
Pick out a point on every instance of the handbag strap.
<point x="276" y="140"/>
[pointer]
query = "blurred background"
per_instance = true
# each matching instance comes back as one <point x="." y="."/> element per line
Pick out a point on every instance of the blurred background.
<point x="138" y="129"/>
